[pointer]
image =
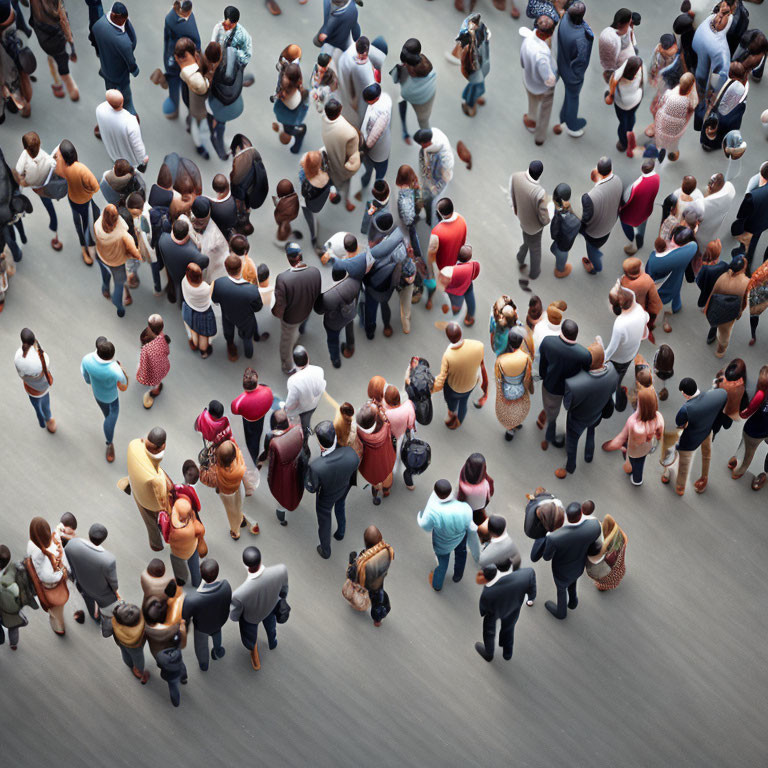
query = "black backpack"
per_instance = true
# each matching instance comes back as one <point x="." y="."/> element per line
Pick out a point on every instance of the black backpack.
<point x="227" y="83"/>
<point x="420" y="391"/>
<point x="415" y="454"/>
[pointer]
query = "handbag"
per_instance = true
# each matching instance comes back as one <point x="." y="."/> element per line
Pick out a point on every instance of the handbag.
<point x="122" y="387"/>
<point x="48" y="597"/>
<point x="356" y="595"/>
<point x="282" y="611"/>
<point x="202" y="546"/>
<point x="701" y="115"/>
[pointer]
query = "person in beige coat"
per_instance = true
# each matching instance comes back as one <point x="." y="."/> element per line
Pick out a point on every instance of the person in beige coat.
<point x="342" y="147"/>
<point x="114" y="246"/>
<point x="530" y="206"/>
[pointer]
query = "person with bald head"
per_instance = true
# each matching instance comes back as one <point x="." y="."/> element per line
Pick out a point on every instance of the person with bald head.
<point x="459" y="374"/>
<point x="120" y="131"/>
<point x="184" y="538"/>
<point x="713" y="208"/>
<point x="529" y="202"/>
<point x="369" y="568"/>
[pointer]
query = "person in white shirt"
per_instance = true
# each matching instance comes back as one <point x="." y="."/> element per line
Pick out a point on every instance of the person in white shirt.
<point x="50" y="563"/>
<point x="376" y="133"/>
<point x="32" y="366"/>
<point x="342" y="245"/>
<point x="305" y="388"/>
<point x="617" y="42"/>
<point x="120" y="131"/>
<point x="208" y="238"/>
<point x="539" y="76"/>
<point x="544" y="328"/>
<point x="625" y="92"/>
<point x="629" y="330"/>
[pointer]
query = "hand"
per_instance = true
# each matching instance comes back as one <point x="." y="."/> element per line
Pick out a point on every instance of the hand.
<point x="322" y="37"/>
<point x="325" y="258"/>
<point x="73" y="57"/>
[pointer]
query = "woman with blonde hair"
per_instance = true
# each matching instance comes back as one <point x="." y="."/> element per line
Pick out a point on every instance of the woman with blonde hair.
<point x="674" y="112"/>
<point x="114" y="246"/>
<point x="196" y="310"/>
<point x="47" y="559"/>
<point x="315" y="189"/>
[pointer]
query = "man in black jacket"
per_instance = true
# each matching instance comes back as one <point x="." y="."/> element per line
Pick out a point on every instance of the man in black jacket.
<point x="588" y="399"/>
<point x="338" y="306"/>
<point x="501" y="600"/>
<point x="296" y="291"/>
<point x="752" y="216"/>
<point x="567" y="548"/>
<point x="177" y="252"/>
<point x="239" y="301"/>
<point x="329" y="476"/>
<point x="208" y="607"/>
<point x="560" y="358"/>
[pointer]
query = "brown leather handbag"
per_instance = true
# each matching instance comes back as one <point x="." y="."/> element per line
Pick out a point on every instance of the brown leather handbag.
<point x="48" y="597"/>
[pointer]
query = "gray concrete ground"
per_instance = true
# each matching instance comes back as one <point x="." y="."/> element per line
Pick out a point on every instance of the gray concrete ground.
<point x="667" y="670"/>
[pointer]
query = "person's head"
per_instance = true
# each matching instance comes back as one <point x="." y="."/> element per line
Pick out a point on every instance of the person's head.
<point x="362" y="46"/>
<point x="332" y="109"/>
<point x="514" y="340"/>
<point x="716" y="182"/>
<point x="68" y="520"/>
<point x="573" y="512"/>
<point x="185" y="47"/>
<point x="239" y="245"/>
<point x="250" y="379"/>
<point x="122" y="168"/>
<point x="371" y="536"/>
<point x="555" y="312"/>
<point x="155" y="610"/>
<point x="252" y="558"/>
<point x="544" y="27"/>
<point x="68" y="152"/>
<point x="648" y="165"/>
<point x="423" y="137"/>
<point x="735" y="370"/>
<point x="720" y="20"/>
<point x="300" y="356"/>
<point x="231" y="17"/>
<point x="27" y="339"/>
<point x="604" y="166"/>
<point x="380" y="190"/>
<point x="551" y="514"/>
<point x="280" y="419"/>
<point x="156" y="324"/>
<point x="442" y="489"/>
<point x="453" y="332"/>
<point x="474" y="468"/>
<point x="465" y="253"/>
<point x="234" y="265"/>
<point x="445" y="207"/>
<point x="738" y="264"/>
<point x="323" y="60"/>
<point x="576" y="12"/>
<point x="660" y="245"/>
<point x="114" y="99"/>
<point x="97" y="533"/>
<point x="226" y="453"/>
<point x="683" y="236"/>
<point x="201" y="211"/>
<point x="31" y="143"/>
<point x="194" y="274"/>
<point x="347" y="411"/>
<point x="392" y="396"/>
<point x="293" y="253"/>
<point x="105" y="349"/>
<point x="535" y="169"/>
<point x="119" y="13"/>
<point x="209" y="570"/>
<point x="312" y="163"/>
<point x="156" y="568"/>
<point x="496" y="525"/>
<point x="216" y="409"/>
<point x="164" y="177"/>
<point x="406" y="177"/>
<point x="647" y="404"/>
<point x="632" y="267"/>
<point x="598" y="356"/>
<point x="190" y="472"/>
<point x="561" y="194"/>
<point x="220" y="184"/>
<point x="155" y="441"/>
<point x="376" y="387"/>
<point x="688" y="185"/>
<point x="180" y="230"/>
<point x="127" y="614"/>
<point x="325" y="434"/>
<point x="262" y="273"/>
<point x="292" y="74"/>
<point x="135" y="204"/>
<point x="620" y="298"/>
<point x="366" y="416"/>
<point x="688" y="387"/>
<point x="737" y="71"/>
<point x="40" y="532"/>
<point x="569" y="329"/>
<point x="371" y="93"/>
<point x="762" y="379"/>
<point x="621" y="20"/>
<point x="284" y="188"/>
<point x="632" y="67"/>
<point x="687" y="81"/>
<point x="350" y="243"/>
<point x="212" y="55"/>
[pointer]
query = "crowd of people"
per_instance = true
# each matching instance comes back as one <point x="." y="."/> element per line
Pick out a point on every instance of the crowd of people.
<point x="412" y="241"/>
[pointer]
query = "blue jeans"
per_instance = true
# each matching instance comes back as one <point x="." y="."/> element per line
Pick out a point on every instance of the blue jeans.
<point x="594" y="254"/>
<point x="157" y="269"/>
<point x="569" y="112"/>
<point x="9" y="237"/>
<point x="42" y="406"/>
<point x="459" y="561"/>
<point x="456" y="401"/>
<point x="370" y="167"/>
<point x="80" y="218"/>
<point x="334" y="348"/>
<point x="249" y="632"/>
<point x="180" y="566"/>
<point x="370" y="311"/>
<point x="457" y="302"/>
<point x="119" y="276"/>
<point x="299" y="132"/>
<point x="632" y="232"/>
<point x="53" y="220"/>
<point x="111" y="412"/>
<point x="561" y="257"/>
<point x="626" y="123"/>
<point x="414" y="238"/>
<point x="171" y="104"/>
<point x="637" y="469"/>
<point x="472" y="92"/>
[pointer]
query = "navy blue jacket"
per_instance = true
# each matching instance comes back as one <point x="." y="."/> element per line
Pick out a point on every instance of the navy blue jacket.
<point x="339" y="24"/>
<point x="238" y="301"/>
<point x="588" y="394"/>
<point x="175" y="28"/>
<point x="558" y="361"/>
<point x="329" y="475"/>
<point x="209" y="608"/>
<point x="505" y="597"/>
<point x="115" y="50"/>
<point x="574" y="47"/>
<point x="567" y="548"/>
<point x="699" y="414"/>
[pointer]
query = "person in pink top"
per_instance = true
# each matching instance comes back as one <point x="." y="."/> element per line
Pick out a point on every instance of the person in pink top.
<point x="402" y="417"/>
<point x="644" y="426"/>
<point x="475" y="486"/>
<point x="253" y="405"/>
<point x="637" y="206"/>
<point x="213" y="425"/>
<point x="154" y="361"/>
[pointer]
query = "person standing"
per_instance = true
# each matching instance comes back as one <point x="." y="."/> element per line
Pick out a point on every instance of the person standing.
<point x="514" y="385"/>
<point x="114" y="246"/>
<point x="710" y="44"/>
<point x="713" y="209"/>
<point x="475" y="54"/>
<point x="375" y="132"/>
<point x="641" y="284"/>
<point x="179" y="23"/>
<point x="721" y="309"/>
<point x="617" y="42"/>
<point x="253" y="405"/>
<point x="12" y="599"/>
<point x="502" y="598"/>
<point x="755" y="431"/>
<point x="305" y="389"/>
<point x="296" y="291"/>
<point x="120" y="131"/>
<point x="447" y="238"/>
<point x="499" y="549"/>
<point x="355" y="73"/>
<point x="94" y="571"/>
<point x="574" y="47"/>
<point x="752" y="216"/>
<point x="50" y="564"/>
<point x="375" y="444"/>
<point x="676" y="107"/>
<point x="284" y="446"/>
<point x="184" y="539"/>
<point x="530" y="206"/>
<point x="329" y="476"/>
<point x="256" y="602"/>
<point x="418" y="84"/>
<point x="539" y="76"/>
<point x="339" y="26"/>
<point x="342" y="149"/>
<point x="196" y="310"/>
<point x="637" y="206"/>
<point x="50" y="21"/>
<point x="149" y="484"/>
<point x="208" y="608"/>
<point x="32" y="367"/>
<point x="230" y="33"/>
<point x="450" y="523"/>
<point x="369" y="568"/>
<point x="128" y="633"/>
<point x="696" y="417"/>
<point x="115" y="41"/>
<point x="436" y="162"/>
<point x="105" y="375"/>
<point x="568" y="548"/>
<point x="599" y="211"/>
<point x="338" y="306"/>
<point x="563" y="229"/>
<point x="625" y="92"/>
<point x="459" y="287"/>
<point x="229" y="473"/>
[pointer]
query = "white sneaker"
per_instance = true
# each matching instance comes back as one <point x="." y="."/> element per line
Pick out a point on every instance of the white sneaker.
<point x="575" y="134"/>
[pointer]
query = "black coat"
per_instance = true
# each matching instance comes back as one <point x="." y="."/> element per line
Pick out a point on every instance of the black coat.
<point x="178" y="256"/>
<point x="564" y="228"/>
<point x="587" y="395"/>
<point x="560" y="360"/>
<point x="224" y="215"/>
<point x="568" y="548"/>
<point x="209" y="609"/>
<point x="338" y="305"/>
<point x="329" y="475"/>
<point x="505" y="597"/>
<point x="239" y="301"/>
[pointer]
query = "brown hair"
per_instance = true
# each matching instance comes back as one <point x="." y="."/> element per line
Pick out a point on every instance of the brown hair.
<point x="406" y="175"/>
<point x="31" y="142"/>
<point x="762" y="379"/>
<point x="376" y="387"/>
<point x="343" y="423"/>
<point x="123" y="168"/>
<point x="109" y="217"/>
<point x="184" y="45"/>
<point x="312" y="162"/>
<point x="620" y="296"/>
<point x="687" y="81"/>
<point x="40" y="535"/>
<point x="647" y="404"/>
<point x="194" y="274"/>
<point x="712" y="251"/>
<point x="392" y="396"/>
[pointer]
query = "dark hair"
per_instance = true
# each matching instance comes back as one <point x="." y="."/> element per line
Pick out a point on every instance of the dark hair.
<point x="573" y="512"/>
<point x="127" y="614"/>
<point x="569" y="329"/>
<point x="632" y="67"/>
<point x="250" y="379"/>
<point x="561" y="193"/>
<point x="604" y="166"/>
<point x="496" y="525"/>
<point x="190" y="472"/>
<point x="233" y="264"/>
<point x="156" y="567"/>
<point x="332" y="109"/>
<point x="216" y="409"/>
<point x="362" y="45"/>
<point x="180" y="229"/>
<point x="31" y="142"/>
<point x="209" y="570"/>
<point x="164" y="177"/>
<point x="105" y="349"/>
<point x="324" y="59"/>
<point x="576" y="12"/>
<point x="688" y="386"/>
<point x="97" y="533"/>
<point x="252" y="557"/>
<point x="68" y="152"/>
<point x="514" y="340"/>
<point x="380" y="190"/>
<point x="735" y="370"/>
<point x="366" y="416"/>
<point x="405" y="175"/>
<point x="337" y="274"/>
<point x="262" y="273"/>
<point x="474" y="468"/>
<point x="135" y="200"/>
<point x="238" y="244"/>
<point x="535" y="169"/>
<point x="443" y="489"/>
<point x="423" y="136"/>
<point x="155" y="609"/>
<point x="545" y="26"/>
<point x="232" y="14"/>
<point x="69" y="520"/>
<point x="445" y="207"/>
<point x="621" y="17"/>
<point x="5" y="555"/>
<point x="157" y="436"/>
<point x="219" y="183"/>
<point x="350" y="243"/>
<point x="300" y="356"/>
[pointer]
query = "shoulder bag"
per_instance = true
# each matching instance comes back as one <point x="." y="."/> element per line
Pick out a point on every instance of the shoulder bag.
<point x="356" y="595"/>
<point x="46" y="372"/>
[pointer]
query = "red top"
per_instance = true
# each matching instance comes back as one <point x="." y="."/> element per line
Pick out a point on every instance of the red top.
<point x="189" y="493"/>
<point x="640" y="204"/>
<point x="253" y="405"/>
<point x="215" y="431"/>
<point x="462" y="277"/>
<point x="285" y="480"/>
<point x="378" y="459"/>
<point x="153" y="362"/>
<point x="452" y="235"/>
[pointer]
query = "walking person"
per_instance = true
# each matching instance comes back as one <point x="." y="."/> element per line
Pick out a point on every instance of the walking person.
<point x="197" y="310"/>
<point x="727" y="302"/>
<point x="128" y="633"/>
<point x="369" y="568"/>
<point x="53" y="31"/>
<point x="228" y="479"/>
<point x="530" y="206"/>
<point x="637" y="206"/>
<point x="375" y="445"/>
<point x="458" y="284"/>
<point x="253" y="405"/>
<point x="574" y="47"/>
<point x="417" y="79"/>
<point x="342" y="150"/>
<point x="539" y="76"/>
<point x="185" y="537"/>
<point x="284" y="446"/>
<point x="599" y="212"/>
<point x="436" y="162"/>
<point x="447" y="238"/>
<point x="291" y="103"/>
<point x="114" y="246"/>
<point x="625" y="92"/>
<point x="305" y="389"/>
<point x="13" y="598"/>
<point x="105" y="376"/>
<point x="49" y="562"/>
<point x="450" y="523"/>
<point x="476" y="487"/>
<point x="646" y="294"/>
<point x="375" y="133"/>
<point x="474" y="40"/>
<point x="755" y="431"/>
<point x="120" y="131"/>
<point x="617" y="42"/>
<point x="676" y="107"/>
<point x="338" y="306"/>
<point x="563" y="229"/>
<point x="315" y="184"/>
<point x="225" y="95"/>
<point x="514" y="385"/>
<point x="195" y="76"/>
<point x="32" y="367"/>
<point x="179" y="23"/>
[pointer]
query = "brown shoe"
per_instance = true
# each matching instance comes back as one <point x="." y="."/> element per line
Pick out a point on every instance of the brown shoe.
<point x="428" y="305"/>
<point x="565" y="271"/>
<point x="469" y="321"/>
<point x="560" y="473"/>
<point x="192" y="345"/>
<point x="544" y="445"/>
<point x="50" y="425"/>
<point x="87" y="258"/>
<point x="541" y="420"/>
<point x="449" y="420"/>
<point x="111" y="452"/>
<point x="557" y="129"/>
<point x="514" y="12"/>
<point x="529" y="124"/>
<point x="128" y="300"/>
<point x="759" y="481"/>
<point x="700" y="485"/>
<point x="455" y="424"/>
<point x="232" y="353"/>
<point x="587" y="264"/>
<point x="388" y="330"/>
<point x="56" y="244"/>
<point x="347" y="351"/>
<point x="273" y="8"/>
<point x="255" y="662"/>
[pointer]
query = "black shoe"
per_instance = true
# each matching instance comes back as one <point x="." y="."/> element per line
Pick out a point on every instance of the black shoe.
<point x="181" y="582"/>
<point x="204" y="668"/>
<point x="552" y="608"/>
<point x="457" y="579"/>
<point x="320" y="551"/>
<point x="271" y="645"/>
<point x="184" y="680"/>
<point x="336" y="363"/>
<point x="338" y="536"/>
<point x="175" y="699"/>
<point x="558" y="442"/>
<point x="712" y="335"/>
<point x="80" y="617"/>
<point x="573" y="603"/>
<point x="480" y="648"/>
<point x="218" y="655"/>
<point x="509" y="435"/>
<point x="280" y="514"/>
<point x="507" y="654"/>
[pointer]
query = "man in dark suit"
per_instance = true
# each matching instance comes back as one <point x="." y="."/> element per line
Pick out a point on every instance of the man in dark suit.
<point x="94" y="571"/>
<point x="338" y="306"/>
<point x="239" y="301"/>
<point x="560" y="358"/>
<point x="329" y="476"/>
<point x="697" y="417"/>
<point x="177" y="251"/>
<point x="501" y="600"/>
<point x="296" y="291"/>
<point x="208" y="607"/>
<point x="752" y="216"/>
<point x="588" y="399"/>
<point x="567" y="548"/>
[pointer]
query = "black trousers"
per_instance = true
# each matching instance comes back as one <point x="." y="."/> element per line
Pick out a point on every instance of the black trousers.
<point x="565" y="595"/>
<point x="253" y="430"/>
<point x="323" y="508"/>
<point x="506" y="634"/>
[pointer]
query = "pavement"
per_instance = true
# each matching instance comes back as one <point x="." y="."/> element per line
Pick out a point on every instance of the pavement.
<point x="669" y="669"/>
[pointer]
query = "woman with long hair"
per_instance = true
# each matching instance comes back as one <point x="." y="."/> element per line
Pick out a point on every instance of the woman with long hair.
<point x="47" y="556"/>
<point x="755" y="432"/>
<point x="291" y="103"/>
<point x="514" y="385"/>
<point x="114" y="246"/>
<point x="625" y="92"/>
<point x="475" y="486"/>
<point x="375" y="446"/>
<point x="409" y="205"/>
<point x="197" y="312"/>
<point x="222" y="112"/>
<point x="194" y="74"/>
<point x="315" y="189"/>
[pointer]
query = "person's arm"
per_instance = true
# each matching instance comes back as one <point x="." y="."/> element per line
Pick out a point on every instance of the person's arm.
<point x="424" y="519"/>
<point x="545" y="72"/>
<point x="235" y="609"/>
<point x="137" y="144"/>
<point x="587" y="210"/>
<point x="567" y="397"/>
<point x="291" y="401"/>
<point x="483" y="385"/>
<point x="543" y="362"/>
<point x="618" y="335"/>
<point x="84" y="372"/>
<point x="278" y="308"/>
<point x="580" y="58"/>
<point x="537" y="550"/>
<point x="377" y="129"/>
<point x="531" y="591"/>
<point x="681" y="419"/>
<point x="245" y="46"/>
<point x="127" y="54"/>
<point x="549" y="548"/>
<point x="90" y="182"/>
<point x="130" y="246"/>
<point x="111" y="576"/>
<point x="473" y="541"/>
<point x="754" y="404"/>
<point x="311" y="480"/>
<point x="541" y="210"/>
<point x="442" y="376"/>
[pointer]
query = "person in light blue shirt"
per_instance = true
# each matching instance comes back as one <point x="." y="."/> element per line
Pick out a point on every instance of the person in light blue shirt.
<point x="105" y="375"/>
<point x="450" y="522"/>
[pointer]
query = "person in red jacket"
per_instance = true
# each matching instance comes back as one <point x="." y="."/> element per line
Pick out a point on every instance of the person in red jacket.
<point x="376" y="450"/>
<point x="637" y="206"/>
<point x="253" y="405"/>
<point x="458" y="284"/>
<point x="213" y="425"/>
<point x="447" y="237"/>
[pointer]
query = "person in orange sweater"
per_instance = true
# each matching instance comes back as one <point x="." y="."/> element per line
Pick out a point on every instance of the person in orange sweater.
<point x="82" y="185"/>
<point x="184" y="539"/>
<point x="230" y="473"/>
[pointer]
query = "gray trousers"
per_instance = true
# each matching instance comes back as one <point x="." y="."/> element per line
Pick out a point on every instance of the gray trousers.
<point x="289" y="334"/>
<point x="201" y="647"/>
<point x="133" y="657"/>
<point x="531" y="243"/>
<point x="551" y="405"/>
<point x="540" y="109"/>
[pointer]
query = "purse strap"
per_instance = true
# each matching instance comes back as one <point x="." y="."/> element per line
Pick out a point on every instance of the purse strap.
<point x="41" y="355"/>
<point x="718" y="98"/>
